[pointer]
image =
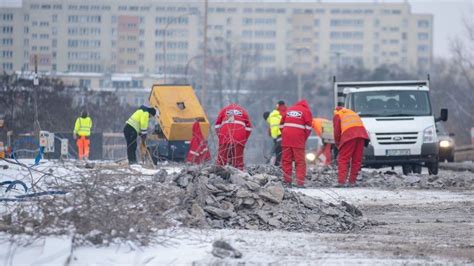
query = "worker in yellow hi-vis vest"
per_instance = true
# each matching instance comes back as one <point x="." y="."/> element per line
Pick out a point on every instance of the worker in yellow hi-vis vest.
<point x="82" y="133"/>
<point x="136" y="125"/>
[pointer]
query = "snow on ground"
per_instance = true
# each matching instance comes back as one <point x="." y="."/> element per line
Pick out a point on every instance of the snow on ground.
<point x="193" y="247"/>
<point x="373" y="196"/>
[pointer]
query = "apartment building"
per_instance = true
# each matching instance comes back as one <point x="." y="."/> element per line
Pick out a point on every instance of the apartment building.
<point x="163" y="38"/>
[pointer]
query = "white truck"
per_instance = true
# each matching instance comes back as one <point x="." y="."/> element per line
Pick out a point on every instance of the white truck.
<point x="399" y="120"/>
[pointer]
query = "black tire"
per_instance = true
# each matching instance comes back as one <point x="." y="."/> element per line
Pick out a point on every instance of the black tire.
<point x="417" y="169"/>
<point x="433" y="168"/>
<point x="407" y="169"/>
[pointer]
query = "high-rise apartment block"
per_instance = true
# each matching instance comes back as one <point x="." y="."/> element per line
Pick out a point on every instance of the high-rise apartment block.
<point x="163" y="37"/>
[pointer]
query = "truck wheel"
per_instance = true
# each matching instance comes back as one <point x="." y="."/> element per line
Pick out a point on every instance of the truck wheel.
<point x="433" y="168"/>
<point x="417" y="169"/>
<point x="407" y="169"/>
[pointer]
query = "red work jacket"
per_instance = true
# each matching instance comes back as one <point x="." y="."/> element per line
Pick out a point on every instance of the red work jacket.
<point x="233" y="125"/>
<point x="198" y="152"/>
<point x="296" y="125"/>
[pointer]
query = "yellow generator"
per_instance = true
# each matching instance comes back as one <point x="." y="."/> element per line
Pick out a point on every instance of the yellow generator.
<point x="177" y="108"/>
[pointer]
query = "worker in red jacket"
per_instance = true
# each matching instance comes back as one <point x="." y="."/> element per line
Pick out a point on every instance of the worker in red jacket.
<point x="233" y="129"/>
<point x="198" y="152"/>
<point x="350" y="137"/>
<point x="296" y="128"/>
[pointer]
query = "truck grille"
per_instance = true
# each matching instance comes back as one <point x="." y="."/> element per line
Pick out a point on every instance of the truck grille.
<point x="396" y="138"/>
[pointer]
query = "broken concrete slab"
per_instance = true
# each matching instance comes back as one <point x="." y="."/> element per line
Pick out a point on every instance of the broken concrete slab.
<point x="222" y="249"/>
<point x="273" y="193"/>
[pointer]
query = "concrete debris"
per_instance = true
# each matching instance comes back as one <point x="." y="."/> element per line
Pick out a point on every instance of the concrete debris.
<point x="197" y="197"/>
<point x="392" y="180"/>
<point x="222" y="249"/>
<point x="160" y="176"/>
<point x="235" y="199"/>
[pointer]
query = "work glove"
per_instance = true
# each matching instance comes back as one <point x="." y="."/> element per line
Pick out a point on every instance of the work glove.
<point x="366" y="142"/>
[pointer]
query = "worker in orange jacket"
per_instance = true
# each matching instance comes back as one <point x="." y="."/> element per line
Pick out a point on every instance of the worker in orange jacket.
<point x="350" y="137"/>
<point x="325" y="150"/>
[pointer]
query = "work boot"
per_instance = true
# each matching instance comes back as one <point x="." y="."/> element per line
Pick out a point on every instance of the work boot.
<point x="340" y="185"/>
<point x="287" y="184"/>
<point x="301" y="186"/>
<point x="352" y="185"/>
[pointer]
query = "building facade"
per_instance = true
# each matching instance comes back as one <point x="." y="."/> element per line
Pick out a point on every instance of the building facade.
<point x="161" y="38"/>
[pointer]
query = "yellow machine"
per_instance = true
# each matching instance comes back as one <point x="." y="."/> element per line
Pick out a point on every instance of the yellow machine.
<point x="178" y="109"/>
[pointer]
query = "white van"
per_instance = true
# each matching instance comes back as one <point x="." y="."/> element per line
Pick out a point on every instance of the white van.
<point x="399" y="120"/>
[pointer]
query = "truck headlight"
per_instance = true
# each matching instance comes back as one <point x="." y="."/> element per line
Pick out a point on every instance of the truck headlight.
<point x="310" y="156"/>
<point x="444" y="144"/>
<point x="429" y="135"/>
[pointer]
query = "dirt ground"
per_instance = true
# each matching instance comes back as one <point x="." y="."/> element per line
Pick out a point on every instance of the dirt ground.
<point x="423" y="225"/>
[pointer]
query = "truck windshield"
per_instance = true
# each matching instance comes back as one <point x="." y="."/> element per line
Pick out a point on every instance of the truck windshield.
<point x="391" y="103"/>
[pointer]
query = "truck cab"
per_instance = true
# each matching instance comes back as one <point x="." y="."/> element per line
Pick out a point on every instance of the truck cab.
<point x="399" y="120"/>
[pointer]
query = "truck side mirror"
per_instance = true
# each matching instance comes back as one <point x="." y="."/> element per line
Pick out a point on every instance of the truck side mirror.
<point x="444" y="115"/>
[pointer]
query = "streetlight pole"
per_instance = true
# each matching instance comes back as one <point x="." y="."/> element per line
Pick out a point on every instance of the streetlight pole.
<point x="204" y="77"/>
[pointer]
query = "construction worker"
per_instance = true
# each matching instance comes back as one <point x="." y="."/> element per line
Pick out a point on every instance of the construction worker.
<point x="323" y="152"/>
<point x="233" y="129"/>
<point x="281" y="107"/>
<point x="296" y="128"/>
<point x="273" y="119"/>
<point x="198" y="152"/>
<point x="136" y="125"/>
<point x="350" y="137"/>
<point x="82" y="133"/>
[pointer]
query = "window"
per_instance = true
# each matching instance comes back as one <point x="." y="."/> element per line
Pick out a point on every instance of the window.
<point x="347" y="22"/>
<point x="55" y="18"/>
<point x="423" y="24"/>
<point x="7" y="42"/>
<point x="386" y="103"/>
<point x="423" y="48"/>
<point x="346" y="47"/>
<point x="346" y="35"/>
<point x="423" y="36"/>
<point x="7" y="54"/>
<point x="7" y="66"/>
<point x="247" y="34"/>
<point x="7" y="29"/>
<point x="7" y="17"/>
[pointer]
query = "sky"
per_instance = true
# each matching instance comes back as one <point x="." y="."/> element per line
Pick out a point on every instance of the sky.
<point x="448" y="15"/>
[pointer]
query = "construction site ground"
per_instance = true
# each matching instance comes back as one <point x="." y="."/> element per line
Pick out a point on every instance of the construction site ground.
<point x="407" y="226"/>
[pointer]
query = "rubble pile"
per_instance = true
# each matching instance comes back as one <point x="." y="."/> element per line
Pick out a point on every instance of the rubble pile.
<point x="392" y="179"/>
<point x="104" y="204"/>
<point x="222" y="197"/>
